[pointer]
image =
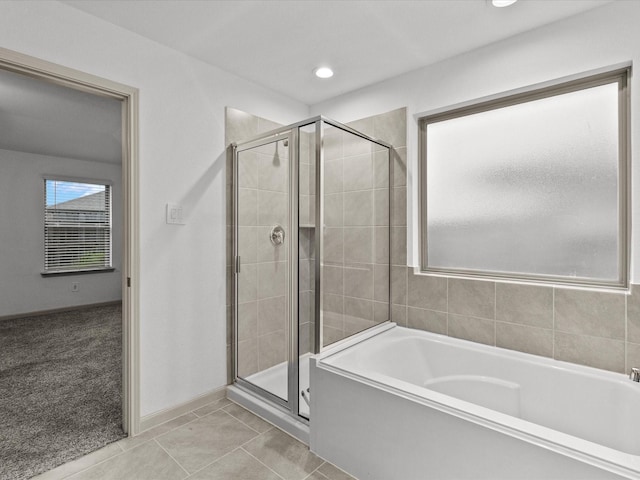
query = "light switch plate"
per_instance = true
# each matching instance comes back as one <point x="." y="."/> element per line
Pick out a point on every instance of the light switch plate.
<point x="174" y="214"/>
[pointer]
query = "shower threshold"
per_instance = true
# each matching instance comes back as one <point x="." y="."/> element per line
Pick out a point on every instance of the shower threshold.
<point x="274" y="380"/>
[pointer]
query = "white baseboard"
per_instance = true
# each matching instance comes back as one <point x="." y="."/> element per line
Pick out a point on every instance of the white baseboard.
<point x="155" y="419"/>
<point x="59" y="310"/>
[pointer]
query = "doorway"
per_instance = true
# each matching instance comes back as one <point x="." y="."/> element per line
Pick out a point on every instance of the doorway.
<point x="123" y="207"/>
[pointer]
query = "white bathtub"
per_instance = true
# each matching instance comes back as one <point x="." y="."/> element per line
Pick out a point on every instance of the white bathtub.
<point x="409" y="405"/>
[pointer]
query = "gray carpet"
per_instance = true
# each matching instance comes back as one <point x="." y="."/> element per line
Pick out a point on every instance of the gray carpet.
<point x="60" y="388"/>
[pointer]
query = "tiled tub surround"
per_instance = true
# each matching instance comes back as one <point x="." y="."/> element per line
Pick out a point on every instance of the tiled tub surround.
<point x="587" y="327"/>
<point x="456" y="409"/>
<point x="594" y="328"/>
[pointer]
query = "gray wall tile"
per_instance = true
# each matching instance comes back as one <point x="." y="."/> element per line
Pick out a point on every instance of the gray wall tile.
<point x="359" y="308"/>
<point x="248" y="207"/>
<point x="472" y="297"/>
<point x="248" y="283"/>
<point x="427" y="292"/>
<point x="380" y="169"/>
<point x="398" y="285"/>
<point x="272" y="279"/>
<point x="399" y="213"/>
<point x="381" y="283"/>
<point x="381" y="245"/>
<point x="358" y="281"/>
<point x="633" y="315"/>
<point x="272" y="208"/>
<point x="247" y="321"/>
<point x="358" y="208"/>
<point x="524" y="304"/>
<point x="332" y="278"/>
<point x="633" y="357"/>
<point x="391" y="127"/>
<point x="478" y="330"/>
<point x="428" y="320"/>
<point x="584" y="312"/>
<point x="358" y="245"/>
<point x="333" y="210"/>
<point x="399" y="156"/>
<point x="399" y="314"/>
<point x="358" y="173"/>
<point x="271" y="349"/>
<point x="399" y="245"/>
<point x="591" y="351"/>
<point x="537" y="341"/>
<point x="271" y="315"/>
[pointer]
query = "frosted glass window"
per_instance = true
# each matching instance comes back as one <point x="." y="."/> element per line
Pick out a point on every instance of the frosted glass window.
<point x="531" y="189"/>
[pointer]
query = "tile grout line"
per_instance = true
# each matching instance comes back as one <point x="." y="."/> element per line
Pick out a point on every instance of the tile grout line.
<point x="122" y="451"/>
<point x="247" y="425"/>
<point x="258" y="460"/>
<point x="171" y="457"/>
<point x="553" y="323"/>
<point x="626" y="331"/>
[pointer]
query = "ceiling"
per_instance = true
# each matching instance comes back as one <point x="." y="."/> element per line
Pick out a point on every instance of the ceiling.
<point x="278" y="43"/>
<point x="274" y="43"/>
<point x="40" y="117"/>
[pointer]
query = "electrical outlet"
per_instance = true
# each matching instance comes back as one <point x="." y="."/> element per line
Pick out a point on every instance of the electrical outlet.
<point x="75" y="286"/>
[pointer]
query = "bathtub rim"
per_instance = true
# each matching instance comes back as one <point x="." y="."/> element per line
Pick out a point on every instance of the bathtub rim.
<point x="600" y="456"/>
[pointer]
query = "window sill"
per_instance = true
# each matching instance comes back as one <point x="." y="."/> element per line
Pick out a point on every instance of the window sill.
<point x="552" y="283"/>
<point x="55" y="273"/>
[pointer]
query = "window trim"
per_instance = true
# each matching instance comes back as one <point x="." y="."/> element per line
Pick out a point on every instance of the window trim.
<point x="618" y="74"/>
<point x="79" y="271"/>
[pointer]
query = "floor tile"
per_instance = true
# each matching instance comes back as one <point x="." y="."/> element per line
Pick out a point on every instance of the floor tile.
<point x="82" y="463"/>
<point x="333" y="473"/>
<point x="146" y="462"/>
<point x="132" y="442"/>
<point x="248" y="418"/>
<point x="285" y="455"/>
<point x="236" y="465"/>
<point x="206" y="439"/>
<point x="316" y="476"/>
<point x="212" y="407"/>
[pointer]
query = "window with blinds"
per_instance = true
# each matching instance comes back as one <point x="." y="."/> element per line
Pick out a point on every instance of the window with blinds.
<point x="77" y="226"/>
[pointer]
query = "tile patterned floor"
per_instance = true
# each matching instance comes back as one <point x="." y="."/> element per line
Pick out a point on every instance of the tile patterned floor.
<point x="220" y="441"/>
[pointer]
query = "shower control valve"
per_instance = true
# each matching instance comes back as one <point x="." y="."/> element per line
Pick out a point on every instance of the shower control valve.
<point x="277" y="235"/>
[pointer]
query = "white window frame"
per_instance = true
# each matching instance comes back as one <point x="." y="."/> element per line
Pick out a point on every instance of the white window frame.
<point x="619" y="74"/>
<point x="108" y="267"/>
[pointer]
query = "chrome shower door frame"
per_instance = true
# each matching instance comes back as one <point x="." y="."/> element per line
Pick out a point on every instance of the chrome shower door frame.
<point x="289" y="134"/>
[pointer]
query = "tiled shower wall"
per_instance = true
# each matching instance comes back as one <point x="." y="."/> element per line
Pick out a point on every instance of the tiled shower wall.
<point x="263" y="181"/>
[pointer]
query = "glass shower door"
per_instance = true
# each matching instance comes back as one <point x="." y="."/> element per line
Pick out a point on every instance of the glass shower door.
<point x="262" y="264"/>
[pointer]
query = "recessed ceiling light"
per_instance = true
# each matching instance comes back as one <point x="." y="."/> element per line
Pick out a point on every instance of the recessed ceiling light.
<point x="323" y="72"/>
<point x="502" y="3"/>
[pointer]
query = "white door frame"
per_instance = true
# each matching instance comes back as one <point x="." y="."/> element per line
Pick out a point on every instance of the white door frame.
<point x="34" y="67"/>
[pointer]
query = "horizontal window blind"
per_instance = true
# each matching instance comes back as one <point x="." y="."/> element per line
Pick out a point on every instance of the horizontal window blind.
<point x="77" y="226"/>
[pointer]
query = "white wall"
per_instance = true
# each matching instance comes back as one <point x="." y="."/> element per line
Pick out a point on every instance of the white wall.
<point x="182" y="160"/>
<point x="605" y="36"/>
<point x="22" y="288"/>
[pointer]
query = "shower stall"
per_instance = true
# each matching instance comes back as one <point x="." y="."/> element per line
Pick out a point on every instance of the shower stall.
<point x="311" y="256"/>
